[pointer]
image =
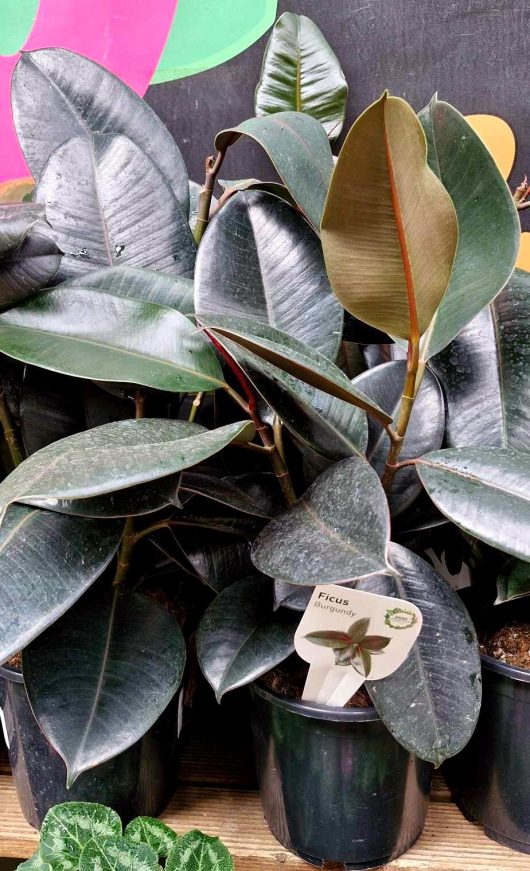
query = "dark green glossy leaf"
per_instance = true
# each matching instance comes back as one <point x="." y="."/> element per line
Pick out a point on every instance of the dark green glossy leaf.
<point x="29" y="267"/>
<point x="301" y="72"/>
<point x="158" y="836"/>
<point x="384" y="385"/>
<point x="513" y="582"/>
<point x="93" y="334"/>
<point x="131" y="502"/>
<point x="68" y="827"/>
<point x="117" y="854"/>
<point x="143" y="284"/>
<point x="254" y="184"/>
<point x="299" y="149"/>
<point x="259" y="259"/>
<point x="330" y="638"/>
<point x="100" y="677"/>
<point x="337" y="531"/>
<point x="47" y="561"/>
<point x="198" y="852"/>
<point x="78" y="97"/>
<point x="51" y="408"/>
<point x="485" y="373"/>
<point x="485" y="491"/>
<point x="109" y="205"/>
<point x="114" y="457"/>
<point x="290" y="596"/>
<point x="16" y="219"/>
<point x="431" y="703"/>
<point x="240" y="638"/>
<point x="488" y="224"/>
<point x="224" y="491"/>
<point x="219" y="558"/>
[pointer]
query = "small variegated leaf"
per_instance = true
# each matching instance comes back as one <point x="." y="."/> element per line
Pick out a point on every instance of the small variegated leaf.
<point x="199" y="852"/>
<point x="68" y="827"/>
<point x="158" y="836"/>
<point x="117" y="854"/>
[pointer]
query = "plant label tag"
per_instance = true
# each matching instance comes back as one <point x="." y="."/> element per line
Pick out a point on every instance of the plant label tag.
<point x="348" y="636"/>
<point x="4" y="729"/>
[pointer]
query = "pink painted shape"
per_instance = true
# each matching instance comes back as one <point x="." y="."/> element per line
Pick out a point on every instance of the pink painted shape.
<point x="125" y="36"/>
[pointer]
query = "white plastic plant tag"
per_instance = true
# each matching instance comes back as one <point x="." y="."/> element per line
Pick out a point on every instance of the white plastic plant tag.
<point x="4" y="729"/>
<point x="348" y="636"/>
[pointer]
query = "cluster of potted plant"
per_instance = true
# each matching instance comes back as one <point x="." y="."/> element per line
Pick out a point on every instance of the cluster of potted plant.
<point x="313" y="381"/>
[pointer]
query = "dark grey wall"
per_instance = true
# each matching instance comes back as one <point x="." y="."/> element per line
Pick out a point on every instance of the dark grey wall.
<point x="473" y="52"/>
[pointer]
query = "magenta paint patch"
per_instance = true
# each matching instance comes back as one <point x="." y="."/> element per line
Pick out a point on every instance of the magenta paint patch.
<point x="125" y="36"/>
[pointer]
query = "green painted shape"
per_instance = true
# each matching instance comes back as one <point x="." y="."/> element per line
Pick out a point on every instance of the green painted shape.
<point x="17" y="17"/>
<point x="206" y="33"/>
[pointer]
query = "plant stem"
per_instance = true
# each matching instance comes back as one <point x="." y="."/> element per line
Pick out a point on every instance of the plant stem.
<point x="128" y="539"/>
<point x="9" y="431"/>
<point x="278" y="436"/>
<point x="212" y="167"/>
<point x="405" y="410"/>
<point x="195" y="405"/>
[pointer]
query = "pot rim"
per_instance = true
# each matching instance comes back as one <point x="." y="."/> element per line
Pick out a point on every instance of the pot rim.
<point x="512" y="671"/>
<point x="8" y="673"/>
<point x="316" y="711"/>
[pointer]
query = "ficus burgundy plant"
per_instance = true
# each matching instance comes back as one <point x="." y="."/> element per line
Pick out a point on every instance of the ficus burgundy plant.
<point x="288" y="392"/>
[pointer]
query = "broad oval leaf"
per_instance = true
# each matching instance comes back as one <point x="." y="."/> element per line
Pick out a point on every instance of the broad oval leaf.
<point x="109" y="205"/>
<point x="301" y="72"/>
<point x="47" y="561"/>
<point x="131" y="502"/>
<point x="100" y="677"/>
<point x="24" y="270"/>
<point x="115" y="456"/>
<point x="513" y="582"/>
<point x="16" y="219"/>
<point x="431" y="703"/>
<point x="425" y="432"/>
<point x="485" y="491"/>
<point x="219" y="558"/>
<point x="389" y="230"/>
<point x="259" y="258"/>
<point x="290" y="596"/>
<point x="240" y="638"/>
<point x="35" y="863"/>
<point x="154" y="833"/>
<point x="143" y="284"/>
<point x="79" y="97"/>
<point x="68" y="827"/>
<point x="299" y="149"/>
<point x="226" y="492"/>
<point x="117" y="854"/>
<point x="488" y="224"/>
<point x="338" y="531"/>
<point x="199" y="852"/>
<point x="485" y="373"/>
<point x="97" y="335"/>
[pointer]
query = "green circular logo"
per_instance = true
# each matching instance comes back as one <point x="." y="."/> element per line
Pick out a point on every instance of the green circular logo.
<point x="400" y="618"/>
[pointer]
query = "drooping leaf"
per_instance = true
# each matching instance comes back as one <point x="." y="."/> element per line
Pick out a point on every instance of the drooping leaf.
<point x="130" y="502"/>
<point x="78" y="97"/>
<point x="93" y="334"/>
<point x="224" y="491"/>
<point x="431" y="703"/>
<point x="47" y="561"/>
<point x="254" y="184"/>
<point x="384" y="385"/>
<point x="488" y="224"/>
<point x="301" y="72"/>
<point x="68" y="827"/>
<point x="143" y="284"/>
<point x="24" y="270"/>
<point x="259" y="259"/>
<point x="109" y="205"/>
<point x="219" y="558"/>
<point x="240" y="637"/>
<point x="485" y="373"/>
<point x="34" y="863"/>
<point x="158" y="836"/>
<point x="299" y="149"/>
<point x="16" y="219"/>
<point x="389" y="230"/>
<point x="485" y="491"/>
<point x="337" y="531"/>
<point x="117" y="854"/>
<point x="199" y="852"/>
<point x="114" y="457"/>
<point x="101" y="676"/>
<point x="513" y="582"/>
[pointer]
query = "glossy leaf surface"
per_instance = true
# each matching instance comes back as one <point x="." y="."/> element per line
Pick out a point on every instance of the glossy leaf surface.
<point x="224" y="491"/>
<point x="259" y="259"/>
<point x="389" y="230"/>
<point x="67" y="828"/>
<point x="219" y="558"/>
<point x="431" y="703"/>
<point x="142" y="284"/>
<point x="117" y="854"/>
<point x="342" y="521"/>
<point x="51" y="408"/>
<point x="29" y="267"/>
<point x="93" y="334"/>
<point x="35" y="863"/>
<point x="109" y="205"/>
<point x="488" y="224"/>
<point x="299" y="149"/>
<point x="199" y="852"/>
<point x="240" y="638"/>
<point x="485" y="373"/>
<point x="154" y="833"/>
<point x="384" y="384"/>
<point x="47" y="561"/>
<point x="15" y="221"/>
<point x="301" y="72"/>
<point x="485" y="491"/>
<point x="130" y="502"/>
<point x="513" y="582"/>
<point x="115" y="456"/>
<point x="102" y="675"/>
<point x="79" y="97"/>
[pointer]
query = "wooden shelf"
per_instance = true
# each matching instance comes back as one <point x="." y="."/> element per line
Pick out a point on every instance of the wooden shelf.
<point x="218" y="794"/>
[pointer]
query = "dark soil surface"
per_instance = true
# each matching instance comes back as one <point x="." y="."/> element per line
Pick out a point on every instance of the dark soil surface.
<point x="288" y="680"/>
<point x="509" y="644"/>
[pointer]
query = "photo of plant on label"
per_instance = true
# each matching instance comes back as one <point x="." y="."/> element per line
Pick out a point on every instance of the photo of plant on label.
<point x="347" y="636"/>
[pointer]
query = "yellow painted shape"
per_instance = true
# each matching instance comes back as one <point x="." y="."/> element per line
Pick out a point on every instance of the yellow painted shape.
<point x="499" y="139"/>
<point x="523" y="258"/>
<point x="15" y="191"/>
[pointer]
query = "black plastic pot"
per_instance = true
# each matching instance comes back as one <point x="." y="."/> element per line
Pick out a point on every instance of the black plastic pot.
<point x="138" y="782"/>
<point x="335" y="785"/>
<point x="490" y="779"/>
